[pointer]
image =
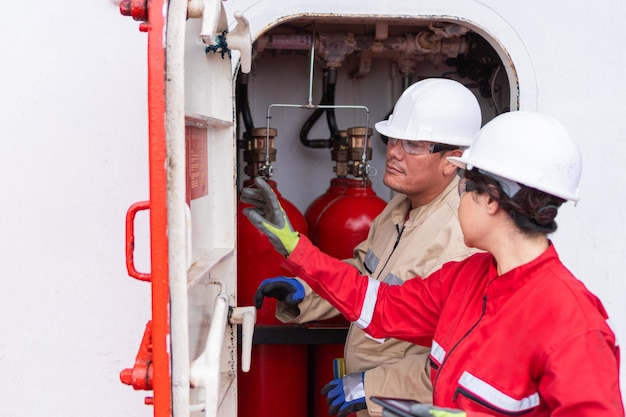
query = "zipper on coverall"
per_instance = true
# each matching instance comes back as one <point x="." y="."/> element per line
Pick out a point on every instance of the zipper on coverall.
<point x="471" y="329"/>
<point x="395" y="245"/>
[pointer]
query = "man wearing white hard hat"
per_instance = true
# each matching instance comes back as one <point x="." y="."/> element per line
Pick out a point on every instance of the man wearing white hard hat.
<point x="512" y="331"/>
<point x="416" y="233"/>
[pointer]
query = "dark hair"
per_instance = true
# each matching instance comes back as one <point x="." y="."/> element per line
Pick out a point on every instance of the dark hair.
<point x="533" y="211"/>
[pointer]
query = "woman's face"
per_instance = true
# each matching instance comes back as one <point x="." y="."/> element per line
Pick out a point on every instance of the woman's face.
<point x="472" y="213"/>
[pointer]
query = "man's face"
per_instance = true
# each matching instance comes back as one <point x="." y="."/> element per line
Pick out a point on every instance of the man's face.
<point x="421" y="177"/>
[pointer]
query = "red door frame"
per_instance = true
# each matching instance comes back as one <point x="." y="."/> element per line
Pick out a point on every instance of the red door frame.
<point x="157" y="11"/>
<point x="152" y="369"/>
<point x="155" y="346"/>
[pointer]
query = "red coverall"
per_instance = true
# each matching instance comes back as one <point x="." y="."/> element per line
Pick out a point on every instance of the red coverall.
<point x="533" y="341"/>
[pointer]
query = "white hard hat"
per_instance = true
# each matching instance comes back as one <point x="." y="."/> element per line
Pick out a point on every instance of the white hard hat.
<point x="529" y="148"/>
<point x="435" y="110"/>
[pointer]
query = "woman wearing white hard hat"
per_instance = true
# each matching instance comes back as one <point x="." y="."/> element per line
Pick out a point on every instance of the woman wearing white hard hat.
<point x="513" y="332"/>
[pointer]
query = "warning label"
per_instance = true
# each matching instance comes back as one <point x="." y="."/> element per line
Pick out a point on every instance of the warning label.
<point x="197" y="162"/>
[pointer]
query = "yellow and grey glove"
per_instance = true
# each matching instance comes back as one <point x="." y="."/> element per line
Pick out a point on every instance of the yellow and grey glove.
<point x="427" y="410"/>
<point x="268" y="216"/>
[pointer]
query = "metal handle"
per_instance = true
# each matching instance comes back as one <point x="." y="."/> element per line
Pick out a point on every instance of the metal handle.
<point x="210" y="18"/>
<point x="204" y="372"/>
<point x="130" y="240"/>
<point x="246" y="316"/>
<point x="239" y="39"/>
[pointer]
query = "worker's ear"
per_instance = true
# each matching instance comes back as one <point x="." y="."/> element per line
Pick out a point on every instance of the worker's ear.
<point x="491" y="203"/>
<point x="449" y="168"/>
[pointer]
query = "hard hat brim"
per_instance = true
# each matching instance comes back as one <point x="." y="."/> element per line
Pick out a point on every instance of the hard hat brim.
<point x="458" y="161"/>
<point x="466" y="164"/>
<point x="384" y="129"/>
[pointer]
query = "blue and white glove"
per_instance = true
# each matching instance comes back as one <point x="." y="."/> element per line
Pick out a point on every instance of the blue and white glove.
<point x="289" y="290"/>
<point x="427" y="410"/>
<point x="345" y="395"/>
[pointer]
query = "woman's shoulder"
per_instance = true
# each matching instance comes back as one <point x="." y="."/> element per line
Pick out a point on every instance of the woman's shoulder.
<point x="478" y="263"/>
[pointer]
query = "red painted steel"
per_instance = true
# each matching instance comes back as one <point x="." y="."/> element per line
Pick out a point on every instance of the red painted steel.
<point x="322" y="357"/>
<point x="341" y="225"/>
<point x="155" y="13"/>
<point x="137" y="9"/>
<point x="158" y="208"/>
<point x="130" y="240"/>
<point x="277" y="383"/>
<point x="140" y="375"/>
<point x="347" y="220"/>
<point x="337" y="187"/>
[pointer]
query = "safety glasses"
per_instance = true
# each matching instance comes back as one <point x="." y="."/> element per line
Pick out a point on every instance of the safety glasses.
<point x="420" y="147"/>
<point x="465" y="185"/>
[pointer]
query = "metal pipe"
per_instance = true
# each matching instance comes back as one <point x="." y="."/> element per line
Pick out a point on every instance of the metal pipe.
<point x="266" y="170"/>
<point x="310" y="102"/>
<point x="246" y="316"/>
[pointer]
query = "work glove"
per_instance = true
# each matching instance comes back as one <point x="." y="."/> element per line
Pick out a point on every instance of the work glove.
<point x="345" y="395"/>
<point x="268" y="216"/>
<point x="427" y="410"/>
<point x="289" y="290"/>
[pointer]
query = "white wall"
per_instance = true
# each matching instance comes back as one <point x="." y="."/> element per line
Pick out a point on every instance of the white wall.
<point x="73" y="141"/>
<point x="579" y="73"/>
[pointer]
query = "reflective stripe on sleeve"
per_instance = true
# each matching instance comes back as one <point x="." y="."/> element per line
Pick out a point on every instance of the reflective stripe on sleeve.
<point x="392" y="279"/>
<point x="496" y="397"/>
<point x="367" y="311"/>
<point x="437" y="352"/>
<point x="353" y="386"/>
<point x="371" y="261"/>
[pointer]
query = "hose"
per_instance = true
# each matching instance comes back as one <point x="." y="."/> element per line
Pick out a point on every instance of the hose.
<point x="328" y="98"/>
<point x="243" y="105"/>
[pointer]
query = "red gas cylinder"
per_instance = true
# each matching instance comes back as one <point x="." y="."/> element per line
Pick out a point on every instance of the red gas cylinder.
<point x="346" y="221"/>
<point x="337" y="187"/>
<point x="341" y="226"/>
<point x="277" y="383"/>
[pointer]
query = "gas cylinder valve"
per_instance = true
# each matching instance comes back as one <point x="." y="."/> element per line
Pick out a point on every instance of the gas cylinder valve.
<point x="259" y="152"/>
<point x="361" y="170"/>
<point x="360" y="150"/>
<point x="266" y="171"/>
